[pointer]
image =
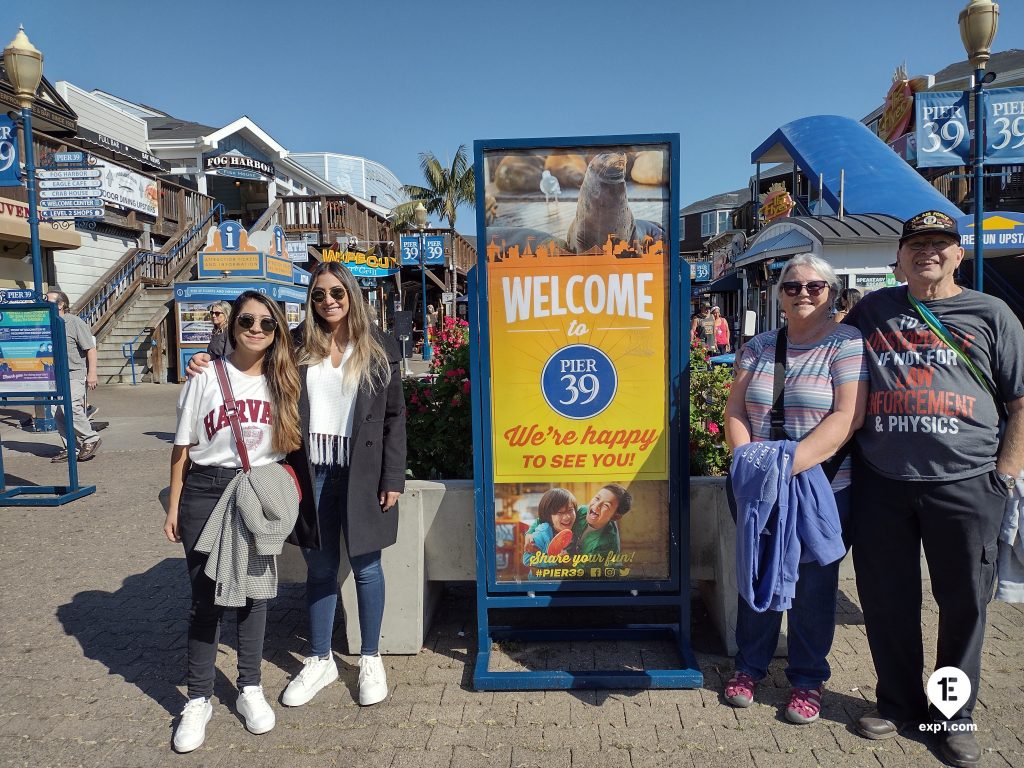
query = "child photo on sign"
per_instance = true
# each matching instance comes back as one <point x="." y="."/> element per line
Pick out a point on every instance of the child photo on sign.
<point x="556" y="515"/>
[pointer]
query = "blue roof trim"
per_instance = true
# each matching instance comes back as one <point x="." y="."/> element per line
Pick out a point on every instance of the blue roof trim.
<point x="877" y="179"/>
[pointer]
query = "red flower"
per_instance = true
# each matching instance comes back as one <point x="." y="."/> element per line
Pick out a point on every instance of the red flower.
<point x="465" y="387"/>
<point x="713" y="428"/>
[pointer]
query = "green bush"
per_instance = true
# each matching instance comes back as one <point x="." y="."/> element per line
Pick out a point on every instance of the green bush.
<point x="439" y="421"/>
<point x="709" y="389"/>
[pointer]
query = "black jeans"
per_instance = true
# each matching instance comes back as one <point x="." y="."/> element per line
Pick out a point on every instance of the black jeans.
<point x="203" y="489"/>
<point x="957" y="523"/>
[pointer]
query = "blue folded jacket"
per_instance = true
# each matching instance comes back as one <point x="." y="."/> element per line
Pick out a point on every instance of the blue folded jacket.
<point x="781" y="521"/>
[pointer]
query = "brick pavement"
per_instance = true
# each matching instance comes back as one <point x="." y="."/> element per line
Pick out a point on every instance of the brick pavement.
<point x="93" y="656"/>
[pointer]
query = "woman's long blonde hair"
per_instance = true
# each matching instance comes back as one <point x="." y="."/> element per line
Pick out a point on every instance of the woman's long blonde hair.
<point x="280" y="372"/>
<point x="369" y="362"/>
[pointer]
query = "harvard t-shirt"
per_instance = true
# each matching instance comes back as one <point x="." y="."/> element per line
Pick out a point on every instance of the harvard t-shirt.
<point x="203" y="422"/>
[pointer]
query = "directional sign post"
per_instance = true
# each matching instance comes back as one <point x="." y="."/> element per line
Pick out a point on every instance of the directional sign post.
<point x="70" y="188"/>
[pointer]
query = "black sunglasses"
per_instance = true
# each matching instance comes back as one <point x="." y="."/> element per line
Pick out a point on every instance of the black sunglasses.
<point x="215" y="313"/>
<point x="319" y="295"/>
<point x="267" y="324"/>
<point x="814" y="288"/>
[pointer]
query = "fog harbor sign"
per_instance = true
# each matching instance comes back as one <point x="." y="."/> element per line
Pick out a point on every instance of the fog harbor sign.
<point x="238" y="167"/>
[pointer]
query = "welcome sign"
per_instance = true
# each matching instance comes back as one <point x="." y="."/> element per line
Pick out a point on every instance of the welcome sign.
<point x="577" y="303"/>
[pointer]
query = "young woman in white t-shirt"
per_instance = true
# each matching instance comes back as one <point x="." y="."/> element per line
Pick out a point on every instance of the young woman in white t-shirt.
<point x="265" y="383"/>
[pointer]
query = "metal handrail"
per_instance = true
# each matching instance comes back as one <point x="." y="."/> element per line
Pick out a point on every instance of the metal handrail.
<point x="128" y="347"/>
<point x="144" y="261"/>
<point x="1010" y="295"/>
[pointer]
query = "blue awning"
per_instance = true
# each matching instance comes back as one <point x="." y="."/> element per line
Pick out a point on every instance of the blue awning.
<point x="876" y="179"/>
<point x="786" y="244"/>
<point x="725" y="284"/>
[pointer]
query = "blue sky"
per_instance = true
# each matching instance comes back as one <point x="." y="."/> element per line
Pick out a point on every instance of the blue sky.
<point x="392" y="78"/>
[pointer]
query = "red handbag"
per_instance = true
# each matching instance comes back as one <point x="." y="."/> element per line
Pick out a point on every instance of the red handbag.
<point x="231" y="408"/>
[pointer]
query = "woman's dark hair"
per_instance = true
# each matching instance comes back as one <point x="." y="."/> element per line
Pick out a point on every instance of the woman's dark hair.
<point x="847" y="298"/>
<point x="552" y="501"/>
<point x="279" y="370"/>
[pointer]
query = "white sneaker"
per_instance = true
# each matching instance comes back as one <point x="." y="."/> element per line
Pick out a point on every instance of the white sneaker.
<point x="259" y="717"/>
<point x="373" y="683"/>
<point x="316" y="674"/>
<point x="191" y="731"/>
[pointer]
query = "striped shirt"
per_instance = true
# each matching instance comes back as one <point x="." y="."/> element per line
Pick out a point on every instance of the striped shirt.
<point x="813" y="371"/>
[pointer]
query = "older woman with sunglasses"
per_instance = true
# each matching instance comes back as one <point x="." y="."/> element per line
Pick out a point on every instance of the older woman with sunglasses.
<point x="351" y="469"/>
<point x="220" y="339"/>
<point x="825" y="394"/>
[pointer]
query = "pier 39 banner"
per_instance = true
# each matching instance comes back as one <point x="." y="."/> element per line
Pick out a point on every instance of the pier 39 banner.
<point x="577" y="269"/>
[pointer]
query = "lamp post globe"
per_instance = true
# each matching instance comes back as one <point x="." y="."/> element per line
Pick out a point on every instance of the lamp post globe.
<point x="978" y="23"/>
<point x="420" y="216"/>
<point x="24" y="65"/>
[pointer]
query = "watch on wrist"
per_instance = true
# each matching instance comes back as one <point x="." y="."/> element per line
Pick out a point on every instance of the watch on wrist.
<point x="1008" y="480"/>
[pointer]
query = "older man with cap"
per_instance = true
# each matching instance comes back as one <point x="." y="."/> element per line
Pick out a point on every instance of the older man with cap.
<point x="941" y="445"/>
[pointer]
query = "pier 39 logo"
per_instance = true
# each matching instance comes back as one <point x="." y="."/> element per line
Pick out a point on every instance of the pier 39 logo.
<point x="579" y="381"/>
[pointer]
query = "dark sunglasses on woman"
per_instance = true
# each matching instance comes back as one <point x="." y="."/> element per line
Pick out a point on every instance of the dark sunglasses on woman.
<point x="267" y="324"/>
<point x="814" y="287"/>
<point x="319" y="295"/>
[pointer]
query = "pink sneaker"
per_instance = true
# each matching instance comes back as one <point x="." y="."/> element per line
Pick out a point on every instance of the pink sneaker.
<point x="739" y="691"/>
<point x="804" y="705"/>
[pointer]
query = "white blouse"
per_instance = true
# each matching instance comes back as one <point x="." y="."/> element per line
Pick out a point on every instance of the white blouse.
<point x="332" y="397"/>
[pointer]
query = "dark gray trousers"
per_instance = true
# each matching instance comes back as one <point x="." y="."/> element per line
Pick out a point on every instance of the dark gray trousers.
<point x="957" y="523"/>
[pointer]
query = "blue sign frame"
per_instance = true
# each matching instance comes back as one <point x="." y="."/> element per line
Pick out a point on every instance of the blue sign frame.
<point x="671" y="592"/>
<point x="44" y="495"/>
<point x="10" y="161"/>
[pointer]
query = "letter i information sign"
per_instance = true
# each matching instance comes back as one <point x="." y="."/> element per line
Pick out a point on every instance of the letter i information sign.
<point x="577" y="385"/>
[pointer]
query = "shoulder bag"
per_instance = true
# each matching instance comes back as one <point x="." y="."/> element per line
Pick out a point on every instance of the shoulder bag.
<point x="231" y="408"/>
<point x="778" y="413"/>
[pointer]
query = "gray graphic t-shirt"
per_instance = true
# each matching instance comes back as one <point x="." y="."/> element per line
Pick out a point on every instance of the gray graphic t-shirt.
<point x="928" y="418"/>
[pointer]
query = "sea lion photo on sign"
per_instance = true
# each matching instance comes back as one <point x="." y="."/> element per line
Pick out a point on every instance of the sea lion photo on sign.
<point x="519" y="173"/>
<point x="603" y="208"/>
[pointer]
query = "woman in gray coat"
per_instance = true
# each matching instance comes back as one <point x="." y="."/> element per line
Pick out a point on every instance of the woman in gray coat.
<point x="351" y="469"/>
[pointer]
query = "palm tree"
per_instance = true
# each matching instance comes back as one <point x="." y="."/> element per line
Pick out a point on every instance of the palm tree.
<point x="446" y="189"/>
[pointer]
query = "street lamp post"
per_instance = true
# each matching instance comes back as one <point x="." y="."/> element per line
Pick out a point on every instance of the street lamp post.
<point x="24" y="65"/>
<point x="978" y="23"/>
<point x="421" y="223"/>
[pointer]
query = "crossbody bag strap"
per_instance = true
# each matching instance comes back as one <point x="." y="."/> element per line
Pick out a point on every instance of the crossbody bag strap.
<point x="231" y="408"/>
<point x="778" y="412"/>
<point x="950" y="341"/>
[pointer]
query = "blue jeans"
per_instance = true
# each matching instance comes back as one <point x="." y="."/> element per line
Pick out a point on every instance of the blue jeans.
<point x="322" y="567"/>
<point x="812" y="624"/>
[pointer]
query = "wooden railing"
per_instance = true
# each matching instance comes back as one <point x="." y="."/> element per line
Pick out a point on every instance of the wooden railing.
<point x="100" y="304"/>
<point x="177" y="205"/>
<point x="333" y="217"/>
<point x="269" y="218"/>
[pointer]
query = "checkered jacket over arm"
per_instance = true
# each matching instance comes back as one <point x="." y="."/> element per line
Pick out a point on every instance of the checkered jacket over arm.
<point x="246" y="531"/>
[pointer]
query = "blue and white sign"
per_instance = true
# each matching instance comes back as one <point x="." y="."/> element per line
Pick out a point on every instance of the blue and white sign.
<point x="1004" y="126"/>
<point x="700" y="272"/>
<point x="433" y="245"/>
<point x="230" y="235"/>
<point x="579" y="381"/>
<point x="9" y="166"/>
<point x="943" y="136"/>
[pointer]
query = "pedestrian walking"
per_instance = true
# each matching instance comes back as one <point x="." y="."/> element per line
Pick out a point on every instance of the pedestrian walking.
<point x="83" y="376"/>
<point x="721" y="331"/>
<point x="702" y="327"/>
<point x="232" y="503"/>
<point x="940" y="449"/>
<point x="807" y="383"/>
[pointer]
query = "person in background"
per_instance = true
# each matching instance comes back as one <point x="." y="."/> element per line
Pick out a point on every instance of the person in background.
<point x="702" y="327"/>
<point x="897" y="272"/>
<point x="82" y="364"/>
<point x="220" y="340"/>
<point x="825" y="394"/>
<point x="847" y="298"/>
<point x="940" y="451"/>
<point x="721" y="331"/>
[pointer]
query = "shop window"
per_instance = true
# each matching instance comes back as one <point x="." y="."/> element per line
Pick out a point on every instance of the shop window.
<point x="714" y="222"/>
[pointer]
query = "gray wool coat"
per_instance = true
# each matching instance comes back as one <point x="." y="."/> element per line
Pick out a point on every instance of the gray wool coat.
<point x="376" y="464"/>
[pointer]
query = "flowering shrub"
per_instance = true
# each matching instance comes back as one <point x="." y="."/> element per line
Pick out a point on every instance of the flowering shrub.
<point x="439" y="422"/>
<point x="709" y="389"/>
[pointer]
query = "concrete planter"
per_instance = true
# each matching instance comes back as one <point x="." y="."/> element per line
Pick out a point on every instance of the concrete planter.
<point x="436" y="543"/>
